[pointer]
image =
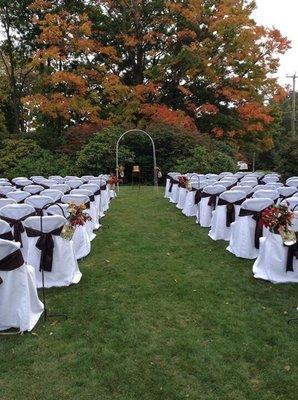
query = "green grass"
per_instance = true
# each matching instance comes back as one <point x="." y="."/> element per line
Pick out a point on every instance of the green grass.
<point x="162" y="313"/>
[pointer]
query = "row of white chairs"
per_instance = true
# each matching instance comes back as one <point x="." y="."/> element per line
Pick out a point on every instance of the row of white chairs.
<point x="30" y="239"/>
<point x="231" y="207"/>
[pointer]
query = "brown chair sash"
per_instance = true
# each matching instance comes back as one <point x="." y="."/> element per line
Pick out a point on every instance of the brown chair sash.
<point x="292" y="253"/>
<point x="212" y="199"/>
<point x="45" y="244"/>
<point x="256" y="215"/>
<point x="11" y="262"/>
<point x="231" y="215"/>
<point x="92" y="198"/>
<point x="198" y="196"/>
<point x="6" y="236"/>
<point x="17" y="225"/>
<point x="172" y="182"/>
<point x="103" y="187"/>
<point x="3" y="196"/>
<point x="97" y="193"/>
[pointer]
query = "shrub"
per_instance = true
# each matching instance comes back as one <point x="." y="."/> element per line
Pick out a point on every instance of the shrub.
<point x="23" y="157"/>
<point x="98" y="155"/>
<point x="203" y="161"/>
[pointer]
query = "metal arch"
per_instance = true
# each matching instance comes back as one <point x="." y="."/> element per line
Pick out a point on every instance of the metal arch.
<point x="153" y="151"/>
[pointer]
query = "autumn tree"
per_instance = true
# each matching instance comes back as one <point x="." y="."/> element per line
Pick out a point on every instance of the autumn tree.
<point x="208" y="59"/>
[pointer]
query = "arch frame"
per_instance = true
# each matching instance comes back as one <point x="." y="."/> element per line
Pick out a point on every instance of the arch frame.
<point x="153" y="153"/>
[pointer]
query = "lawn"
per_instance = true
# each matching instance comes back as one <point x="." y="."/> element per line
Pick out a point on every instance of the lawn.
<point x="162" y="313"/>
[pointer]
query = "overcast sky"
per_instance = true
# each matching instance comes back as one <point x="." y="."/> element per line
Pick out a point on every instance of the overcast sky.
<point x="283" y="15"/>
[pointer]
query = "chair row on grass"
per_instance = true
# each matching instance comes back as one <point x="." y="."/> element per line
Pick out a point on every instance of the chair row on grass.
<point x="231" y="206"/>
<point x="33" y="214"/>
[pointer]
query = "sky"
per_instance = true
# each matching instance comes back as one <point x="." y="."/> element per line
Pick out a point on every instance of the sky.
<point x="283" y="15"/>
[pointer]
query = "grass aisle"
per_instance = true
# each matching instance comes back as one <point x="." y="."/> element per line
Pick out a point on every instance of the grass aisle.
<point x="162" y="312"/>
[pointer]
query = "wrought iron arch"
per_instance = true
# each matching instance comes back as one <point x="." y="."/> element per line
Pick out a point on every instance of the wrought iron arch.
<point x="153" y="151"/>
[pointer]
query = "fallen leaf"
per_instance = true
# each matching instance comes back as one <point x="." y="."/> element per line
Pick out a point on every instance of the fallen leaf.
<point x="287" y="368"/>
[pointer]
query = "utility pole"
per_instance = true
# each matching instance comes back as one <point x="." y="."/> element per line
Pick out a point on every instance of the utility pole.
<point x="293" y="77"/>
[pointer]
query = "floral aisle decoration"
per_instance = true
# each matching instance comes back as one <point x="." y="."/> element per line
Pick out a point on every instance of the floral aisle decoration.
<point x="279" y="220"/>
<point x="113" y="180"/>
<point x="184" y="182"/>
<point x="77" y="217"/>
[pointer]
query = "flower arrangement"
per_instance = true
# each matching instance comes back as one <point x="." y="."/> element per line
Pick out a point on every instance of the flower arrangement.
<point x="279" y="220"/>
<point x="113" y="180"/>
<point x="77" y="217"/>
<point x="184" y="182"/>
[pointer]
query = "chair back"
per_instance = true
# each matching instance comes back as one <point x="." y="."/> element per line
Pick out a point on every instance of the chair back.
<point x="38" y="202"/>
<point x="54" y="194"/>
<point x="33" y="189"/>
<point x="57" y="178"/>
<point x="45" y="224"/>
<point x="4" y="227"/>
<point x="16" y="211"/>
<point x="90" y="186"/>
<point x="58" y="209"/>
<point x="78" y="199"/>
<point x="87" y="178"/>
<point x="74" y="183"/>
<point x="214" y="189"/>
<point x="286" y="191"/>
<point x="268" y="194"/>
<point x="6" y="202"/>
<point x="18" y="195"/>
<point x="291" y="202"/>
<point x="5" y="183"/>
<point x="232" y="195"/>
<point x="18" y="178"/>
<point x="62" y="187"/>
<point x="247" y="189"/>
<point x="8" y="247"/>
<point x="258" y="204"/>
<point x="6" y="189"/>
<point x="85" y="192"/>
<point x="293" y="182"/>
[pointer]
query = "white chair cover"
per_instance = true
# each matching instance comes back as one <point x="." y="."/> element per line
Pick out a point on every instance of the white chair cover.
<point x="242" y="239"/>
<point x="81" y="241"/>
<point x="219" y="229"/>
<point x="104" y="195"/>
<point x="174" y="189"/>
<point x="286" y="192"/>
<point x="293" y="182"/>
<point x="6" y="189"/>
<point x="93" y="206"/>
<point x="20" y="306"/>
<point x="5" y="229"/>
<point x="6" y="202"/>
<point x="57" y="178"/>
<point x="205" y="211"/>
<point x="5" y="183"/>
<point x="266" y="194"/>
<point x="21" y="183"/>
<point x="18" y="195"/>
<point x="74" y="183"/>
<point x="18" y="212"/>
<point x="33" y="189"/>
<point x="65" y="270"/>
<point x="62" y="187"/>
<point x="190" y="209"/>
<point x="38" y="202"/>
<point x="54" y="194"/>
<point x="291" y="203"/>
<point x="247" y="189"/>
<point x="79" y="199"/>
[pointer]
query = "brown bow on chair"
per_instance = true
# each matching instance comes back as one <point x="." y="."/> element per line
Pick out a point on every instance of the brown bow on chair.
<point x="256" y="215"/>
<point x="45" y="244"/>
<point x="17" y="225"/>
<point x="11" y="262"/>
<point x="231" y="216"/>
<point x="6" y="236"/>
<point x="292" y="253"/>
